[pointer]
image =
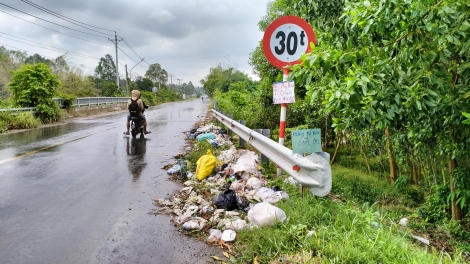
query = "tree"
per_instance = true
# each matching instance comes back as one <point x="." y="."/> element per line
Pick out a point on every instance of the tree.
<point x="158" y="75"/>
<point x="36" y="58"/>
<point x="75" y="83"/>
<point x="144" y="84"/>
<point x="407" y="76"/>
<point x="34" y="86"/>
<point x="220" y="78"/>
<point x="60" y="65"/>
<point x="108" y="89"/>
<point x="106" y="70"/>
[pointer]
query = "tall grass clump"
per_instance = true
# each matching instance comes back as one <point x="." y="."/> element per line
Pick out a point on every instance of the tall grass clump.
<point x="333" y="232"/>
<point x="25" y="120"/>
<point x="21" y="120"/>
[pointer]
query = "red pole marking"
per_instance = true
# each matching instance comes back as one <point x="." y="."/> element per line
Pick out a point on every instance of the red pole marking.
<point x="282" y="128"/>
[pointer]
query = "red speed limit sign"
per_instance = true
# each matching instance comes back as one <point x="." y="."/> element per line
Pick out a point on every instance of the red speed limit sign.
<point x="286" y="39"/>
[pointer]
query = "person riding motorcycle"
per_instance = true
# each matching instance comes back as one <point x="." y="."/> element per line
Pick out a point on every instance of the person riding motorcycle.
<point x="142" y="107"/>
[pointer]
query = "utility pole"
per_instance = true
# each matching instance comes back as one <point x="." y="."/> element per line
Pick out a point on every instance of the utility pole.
<point x="115" y="41"/>
<point x="171" y="79"/>
<point x="179" y="83"/>
<point x="127" y="81"/>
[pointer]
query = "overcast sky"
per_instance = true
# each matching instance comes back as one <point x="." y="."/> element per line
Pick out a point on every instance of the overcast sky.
<point x="186" y="37"/>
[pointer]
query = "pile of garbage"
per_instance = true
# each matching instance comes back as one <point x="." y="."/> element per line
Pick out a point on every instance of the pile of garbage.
<point x="233" y="198"/>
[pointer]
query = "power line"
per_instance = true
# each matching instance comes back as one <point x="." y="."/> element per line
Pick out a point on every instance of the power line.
<point x="52" y="22"/>
<point x="56" y="30"/>
<point x="129" y="46"/>
<point x="61" y="50"/>
<point x="126" y="55"/>
<point x="43" y="56"/>
<point x="60" y="16"/>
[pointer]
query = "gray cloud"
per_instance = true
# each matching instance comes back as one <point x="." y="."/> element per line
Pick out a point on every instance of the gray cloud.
<point x="186" y="37"/>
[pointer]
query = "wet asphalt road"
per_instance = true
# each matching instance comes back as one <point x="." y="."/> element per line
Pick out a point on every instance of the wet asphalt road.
<point x="80" y="192"/>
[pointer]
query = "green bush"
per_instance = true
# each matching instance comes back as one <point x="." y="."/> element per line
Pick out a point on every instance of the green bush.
<point x="34" y="86"/>
<point x="435" y="208"/>
<point x="24" y="120"/>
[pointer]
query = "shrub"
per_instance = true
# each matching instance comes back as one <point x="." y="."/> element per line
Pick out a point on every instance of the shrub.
<point x="435" y="208"/>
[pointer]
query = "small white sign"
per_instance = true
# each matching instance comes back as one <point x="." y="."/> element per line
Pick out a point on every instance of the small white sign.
<point x="283" y="92"/>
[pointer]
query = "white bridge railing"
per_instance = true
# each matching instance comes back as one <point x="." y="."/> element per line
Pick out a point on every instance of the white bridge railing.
<point x="82" y="101"/>
<point x="312" y="171"/>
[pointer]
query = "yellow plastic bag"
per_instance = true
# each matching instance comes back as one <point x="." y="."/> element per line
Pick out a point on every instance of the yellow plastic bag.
<point x="205" y="165"/>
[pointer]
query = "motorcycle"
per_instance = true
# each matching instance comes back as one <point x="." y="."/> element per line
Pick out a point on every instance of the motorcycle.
<point x="137" y="124"/>
<point x="137" y="127"/>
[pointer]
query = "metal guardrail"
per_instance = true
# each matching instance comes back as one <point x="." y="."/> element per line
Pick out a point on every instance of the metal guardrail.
<point x="82" y="101"/>
<point x="312" y="171"/>
<point x="88" y="101"/>
<point x="17" y="109"/>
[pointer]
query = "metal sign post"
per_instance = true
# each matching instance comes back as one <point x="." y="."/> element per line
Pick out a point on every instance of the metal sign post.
<point x="286" y="39"/>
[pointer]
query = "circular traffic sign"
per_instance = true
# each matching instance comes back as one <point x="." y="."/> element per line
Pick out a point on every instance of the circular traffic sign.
<point x="286" y="39"/>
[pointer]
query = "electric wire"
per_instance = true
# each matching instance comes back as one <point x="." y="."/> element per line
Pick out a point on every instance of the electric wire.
<point x="126" y="54"/>
<point x="58" y="31"/>
<point x="71" y="52"/>
<point x="61" y="16"/>
<point x="52" y="22"/>
<point x="77" y="54"/>
<point x="47" y="57"/>
<point x="129" y="46"/>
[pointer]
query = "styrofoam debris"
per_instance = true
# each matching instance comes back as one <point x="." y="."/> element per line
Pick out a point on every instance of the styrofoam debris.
<point x="228" y="235"/>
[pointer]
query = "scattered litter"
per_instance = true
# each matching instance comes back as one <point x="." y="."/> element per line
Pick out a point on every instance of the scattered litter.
<point x="403" y="221"/>
<point x="238" y="224"/>
<point x="254" y="183"/>
<point x="228" y="235"/>
<point x="376" y="224"/>
<point x="205" y="165"/>
<point x="421" y="239"/>
<point x="226" y="200"/>
<point x="265" y="214"/>
<point x="224" y="194"/>
<point x="269" y="195"/>
<point x="197" y="223"/>
<point x="214" y="236"/>
<point x="291" y="181"/>
<point x="176" y="168"/>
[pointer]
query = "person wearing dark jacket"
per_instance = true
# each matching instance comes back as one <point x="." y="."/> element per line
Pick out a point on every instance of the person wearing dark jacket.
<point x="142" y="107"/>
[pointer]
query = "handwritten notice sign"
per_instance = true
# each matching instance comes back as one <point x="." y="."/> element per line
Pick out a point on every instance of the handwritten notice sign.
<point x="306" y="141"/>
<point x="283" y="92"/>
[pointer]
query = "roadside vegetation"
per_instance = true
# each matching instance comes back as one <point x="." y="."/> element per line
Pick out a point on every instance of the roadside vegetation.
<point x="388" y="85"/>
<point x="33" y="80"/>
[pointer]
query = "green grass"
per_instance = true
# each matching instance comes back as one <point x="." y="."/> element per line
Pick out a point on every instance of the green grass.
<point x="21" y="120"/>
<point x="357" y="223"/>
<point x="343" y="233"/>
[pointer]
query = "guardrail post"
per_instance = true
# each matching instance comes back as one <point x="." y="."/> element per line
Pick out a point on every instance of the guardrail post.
<point x="267" y="133"/>
<point x="216" y="105"/>
<point x="229" y="130"/>
<point x="313" y="171"/>
<point x="241" y="141"/>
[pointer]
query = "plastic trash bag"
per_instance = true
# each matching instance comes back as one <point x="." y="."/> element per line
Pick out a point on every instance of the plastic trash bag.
<point x="174" y="169"/>
<point x="205" y="165"/>
<point x="265" y="214"/>
<point x="238" y="224"/>
<point x="254" y="183"/>
<point x="272" y="196"/>
<point x="196" y="223"/>
<point x="247" y="162"/>
<point x="214" y="236"/>
<point x="226" y="200"/>
<point x="205" y="136"/>
<point x="228" y="235"/>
